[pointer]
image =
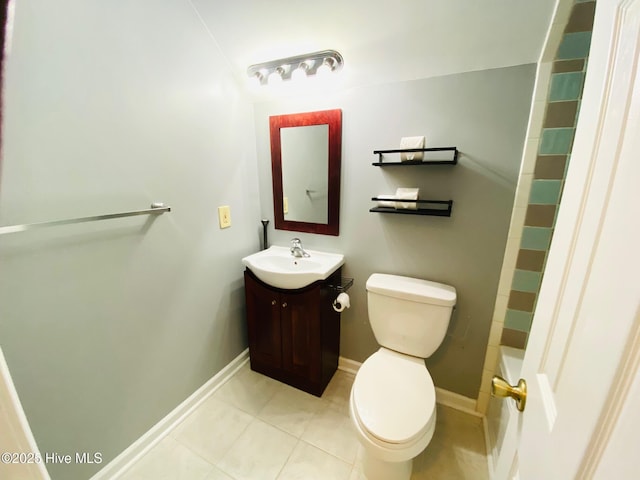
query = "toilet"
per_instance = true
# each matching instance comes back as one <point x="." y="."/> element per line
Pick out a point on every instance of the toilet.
<point x="393" y="399"/>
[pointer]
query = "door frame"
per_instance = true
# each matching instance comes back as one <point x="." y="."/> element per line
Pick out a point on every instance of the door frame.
<point x="604" y="142"/>
<point x="16" y="432"/>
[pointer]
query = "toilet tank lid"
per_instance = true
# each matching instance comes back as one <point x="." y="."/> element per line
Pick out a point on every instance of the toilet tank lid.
<point x="414" y="289"/>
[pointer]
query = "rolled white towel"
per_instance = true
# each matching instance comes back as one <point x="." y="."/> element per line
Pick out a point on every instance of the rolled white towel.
<point x="385" y="203"/>
<point x="407" y="194"/>
<point x="411" y="142"/>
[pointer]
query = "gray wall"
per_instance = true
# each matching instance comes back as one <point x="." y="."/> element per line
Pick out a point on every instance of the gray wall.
<point x="485" y="115"/>
<point x="108" y="326"/>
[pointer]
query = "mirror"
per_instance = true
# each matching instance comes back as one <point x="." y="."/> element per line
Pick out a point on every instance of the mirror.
<point x="306" y="153"/>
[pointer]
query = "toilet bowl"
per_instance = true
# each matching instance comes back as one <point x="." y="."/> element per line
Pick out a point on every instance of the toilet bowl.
<point x="392" y="406"/>
<point x="393" y="401"/>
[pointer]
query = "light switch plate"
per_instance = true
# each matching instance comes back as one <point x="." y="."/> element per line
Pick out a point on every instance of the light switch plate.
<point x="224" y="216"/>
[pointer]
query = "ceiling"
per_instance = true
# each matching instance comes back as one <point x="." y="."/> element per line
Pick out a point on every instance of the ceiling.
<point x="381" y="40"/>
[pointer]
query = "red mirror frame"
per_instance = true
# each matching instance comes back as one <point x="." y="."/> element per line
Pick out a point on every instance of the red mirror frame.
<point x="332" y="118"/>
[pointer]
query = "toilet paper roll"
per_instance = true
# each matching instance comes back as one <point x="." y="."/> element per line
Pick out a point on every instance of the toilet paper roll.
<point x="341" y="302"/>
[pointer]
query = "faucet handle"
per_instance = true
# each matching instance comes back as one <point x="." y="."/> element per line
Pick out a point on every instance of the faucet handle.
<point x="296" y="248"/>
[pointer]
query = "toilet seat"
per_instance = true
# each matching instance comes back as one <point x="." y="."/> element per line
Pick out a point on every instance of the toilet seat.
<point x="394" y="397"/>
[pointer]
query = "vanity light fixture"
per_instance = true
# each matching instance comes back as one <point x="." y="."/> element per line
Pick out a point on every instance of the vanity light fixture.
<point x="299" y="66"/>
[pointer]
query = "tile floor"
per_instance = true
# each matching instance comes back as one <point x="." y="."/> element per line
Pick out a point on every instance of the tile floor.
<point x="254" y="427"/>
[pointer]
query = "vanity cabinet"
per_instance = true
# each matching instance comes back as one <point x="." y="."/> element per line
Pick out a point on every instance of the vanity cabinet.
<point x="294" y="335"/>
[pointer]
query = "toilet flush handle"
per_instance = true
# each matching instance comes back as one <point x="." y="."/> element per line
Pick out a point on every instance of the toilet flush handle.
<point x="500" y="388"/>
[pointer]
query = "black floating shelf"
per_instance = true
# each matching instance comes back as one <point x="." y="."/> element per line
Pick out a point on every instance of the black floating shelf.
<point x="345" y="284"/>
<point x="443" y="210"/>
<point x="453" y="161"/>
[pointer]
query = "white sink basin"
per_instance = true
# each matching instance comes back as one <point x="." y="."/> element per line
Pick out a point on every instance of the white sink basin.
<point x="276" y="266"/>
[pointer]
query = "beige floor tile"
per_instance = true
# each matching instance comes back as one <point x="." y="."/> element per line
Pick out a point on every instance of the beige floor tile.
<point x="169" y="460"/>
<point x="222" y="441"/>
<point x="461" y="429"/>
<point x="356" y="473"/>
<point x="330" y="429"/>
<point x="259" y="453"/>
<point x="217" y="475"/>
<point x="248" y="390"/>
<point x="457" y="450"/>
<point x="212" y="428"/>
<point x="290" y="410"/>
<point x="310" y="463"/>
<point x="339" y="389"/>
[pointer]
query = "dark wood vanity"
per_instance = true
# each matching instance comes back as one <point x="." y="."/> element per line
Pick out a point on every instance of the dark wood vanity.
<point x="294" y="335"/>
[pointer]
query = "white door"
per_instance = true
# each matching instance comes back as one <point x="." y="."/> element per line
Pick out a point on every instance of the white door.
<point x="582" y="418"/>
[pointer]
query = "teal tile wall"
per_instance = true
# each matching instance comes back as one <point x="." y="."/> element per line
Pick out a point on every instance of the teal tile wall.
<point x="517" y="320"/>
<point x="574" y="45"/>
<point x="555" y="141"/>
<point x="526" y="281"/>
<point x="566" y="85"/>
<point x="546" y="192"/>
<point x="535" y="238"/>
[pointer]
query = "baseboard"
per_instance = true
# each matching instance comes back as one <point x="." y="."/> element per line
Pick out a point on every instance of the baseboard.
<point x="457" y="401"/>
<point x="348" y="365"/>
<point x="489" y="452"/>
<point x="146" y="442"/>
<point x="443" y="397"/>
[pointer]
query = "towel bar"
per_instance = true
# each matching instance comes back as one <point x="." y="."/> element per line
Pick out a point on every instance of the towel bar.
<point x="156" y="209"/>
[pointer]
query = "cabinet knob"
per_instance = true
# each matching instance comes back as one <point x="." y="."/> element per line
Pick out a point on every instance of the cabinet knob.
<point x="284" y="305"/>
<point x="273" y="302"/>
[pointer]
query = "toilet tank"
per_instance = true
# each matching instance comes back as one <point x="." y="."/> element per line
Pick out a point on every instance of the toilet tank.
<point x="409" y="315"/>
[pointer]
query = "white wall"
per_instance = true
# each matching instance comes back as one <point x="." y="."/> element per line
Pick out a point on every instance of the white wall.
<point x="485" y="115"/>
<point x="107" y="326"/>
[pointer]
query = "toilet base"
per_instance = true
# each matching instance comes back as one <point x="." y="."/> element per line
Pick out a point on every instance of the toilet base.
<point x="376" y="469"/>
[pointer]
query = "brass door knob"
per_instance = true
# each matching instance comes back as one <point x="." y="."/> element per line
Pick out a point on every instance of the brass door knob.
<point x="500" y="388"/>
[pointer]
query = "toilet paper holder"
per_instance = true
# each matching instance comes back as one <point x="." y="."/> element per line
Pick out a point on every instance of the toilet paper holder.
<point x="342" y="299"/>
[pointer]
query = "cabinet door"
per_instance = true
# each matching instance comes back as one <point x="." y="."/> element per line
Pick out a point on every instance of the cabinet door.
<point x="263" y="319"/>
<point x="301" y="335"/>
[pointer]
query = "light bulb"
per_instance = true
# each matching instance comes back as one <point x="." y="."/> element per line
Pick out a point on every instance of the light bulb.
<point x="328" y="65"/>
<point x="276" y="77"/>
<point x="255" y="80"/>
<point x="300" y="73"/>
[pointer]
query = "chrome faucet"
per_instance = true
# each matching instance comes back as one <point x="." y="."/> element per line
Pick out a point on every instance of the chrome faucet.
<point x="296" y="248"/>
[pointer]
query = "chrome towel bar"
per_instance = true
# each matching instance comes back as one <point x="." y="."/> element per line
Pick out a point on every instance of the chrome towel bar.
<point x="156" y="209"/>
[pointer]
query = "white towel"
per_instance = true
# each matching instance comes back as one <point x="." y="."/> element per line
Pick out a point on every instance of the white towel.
<point x="407" y="194"/>
<point x="383" y="203"/>
<point x="411" y="142"/>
